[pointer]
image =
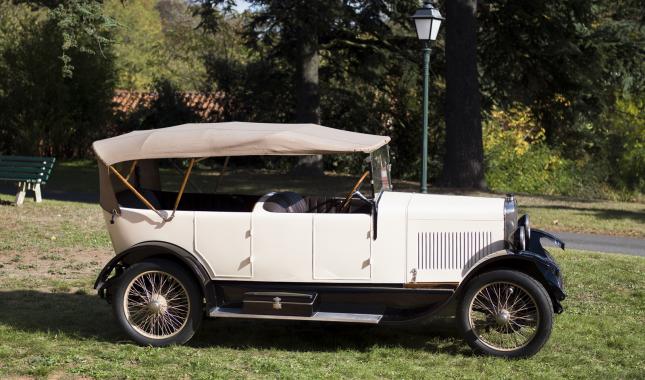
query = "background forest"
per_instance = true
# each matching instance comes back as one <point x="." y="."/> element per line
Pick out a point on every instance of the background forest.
<point x="560" y="83"/>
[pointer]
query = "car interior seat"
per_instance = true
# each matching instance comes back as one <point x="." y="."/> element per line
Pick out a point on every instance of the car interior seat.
<point x="286" y="201"/>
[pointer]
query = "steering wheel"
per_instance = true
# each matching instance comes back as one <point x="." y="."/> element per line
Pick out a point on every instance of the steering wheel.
<point x="345" y="204"/>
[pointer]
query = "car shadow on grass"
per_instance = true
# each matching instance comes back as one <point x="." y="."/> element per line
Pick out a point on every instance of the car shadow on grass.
<point x="439" y="336"/>
<point x="83" y="316"/>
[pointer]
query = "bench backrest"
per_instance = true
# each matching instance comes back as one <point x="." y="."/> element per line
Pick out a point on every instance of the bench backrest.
<point x="26" y="169"/>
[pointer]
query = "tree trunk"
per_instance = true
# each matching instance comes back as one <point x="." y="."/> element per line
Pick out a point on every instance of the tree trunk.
<point x="464" y="160"/>
<point x="308" y="97"/>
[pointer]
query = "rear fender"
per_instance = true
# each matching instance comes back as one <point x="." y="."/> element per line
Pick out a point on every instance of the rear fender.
<point x="148" y="250"/>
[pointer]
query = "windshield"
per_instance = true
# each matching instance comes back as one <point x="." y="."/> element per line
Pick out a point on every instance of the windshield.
<point x="381" y="179"/>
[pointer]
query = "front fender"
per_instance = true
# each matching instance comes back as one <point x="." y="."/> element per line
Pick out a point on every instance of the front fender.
<point x="535" y="244"/>
<point x="537" y="261"/>
<point x="548" y="266"/>
<point x="551" y="276"/>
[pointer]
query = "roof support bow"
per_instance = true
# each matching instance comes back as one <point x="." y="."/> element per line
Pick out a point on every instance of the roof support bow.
<point x="128" y="185"/>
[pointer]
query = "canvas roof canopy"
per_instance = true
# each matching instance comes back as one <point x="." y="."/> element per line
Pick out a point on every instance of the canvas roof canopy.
<point x="233" y="139"/>
<point x="217" y="140"/>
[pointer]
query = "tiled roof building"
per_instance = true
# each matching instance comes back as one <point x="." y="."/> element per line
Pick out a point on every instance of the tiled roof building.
<point x="208" y="106"/>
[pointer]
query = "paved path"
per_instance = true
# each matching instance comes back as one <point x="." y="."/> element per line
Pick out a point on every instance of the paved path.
<point x="602" y="243"/>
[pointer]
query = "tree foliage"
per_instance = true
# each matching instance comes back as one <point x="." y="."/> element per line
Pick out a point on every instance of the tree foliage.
<point x="41" y="111"/>
<point x="138" y="43"/>
<point x="157" y="40"/>
<point x="579" y="66"/>
<point x="368" y="70"/>
<point x="566" y="60"/>
<point x="82" y="24"/>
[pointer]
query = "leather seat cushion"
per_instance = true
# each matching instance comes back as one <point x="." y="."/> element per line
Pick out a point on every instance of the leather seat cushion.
<point x="325" y="205"/>
<point x="286" y="201"/>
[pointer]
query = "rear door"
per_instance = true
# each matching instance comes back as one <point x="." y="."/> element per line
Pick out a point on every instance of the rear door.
<point x="223" y="239"/>
<point x="281" y="246"/>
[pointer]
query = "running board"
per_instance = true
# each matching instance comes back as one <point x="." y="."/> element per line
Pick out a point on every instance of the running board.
<point x="319" y="316"/>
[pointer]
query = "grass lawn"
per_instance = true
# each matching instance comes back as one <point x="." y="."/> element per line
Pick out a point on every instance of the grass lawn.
<point x="53" y="325"/>
<point x="573" y="215"/>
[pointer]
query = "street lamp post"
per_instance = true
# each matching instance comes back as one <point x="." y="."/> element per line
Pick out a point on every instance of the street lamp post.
<point x="427" y="21"/>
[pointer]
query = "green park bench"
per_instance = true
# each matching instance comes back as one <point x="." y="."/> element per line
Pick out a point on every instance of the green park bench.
<point x="28" y="172"/>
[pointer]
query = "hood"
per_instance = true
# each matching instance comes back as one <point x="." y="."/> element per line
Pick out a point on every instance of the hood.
<point x="454" y="207"/>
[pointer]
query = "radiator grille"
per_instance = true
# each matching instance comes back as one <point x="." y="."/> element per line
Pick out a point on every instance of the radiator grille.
<point x="452" y="250"/>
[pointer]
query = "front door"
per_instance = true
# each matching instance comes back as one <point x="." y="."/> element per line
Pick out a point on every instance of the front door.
<point x="342" y="246"/>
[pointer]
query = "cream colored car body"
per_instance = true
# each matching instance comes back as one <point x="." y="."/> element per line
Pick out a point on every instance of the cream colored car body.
<point x="397" y="258"/>
<point x="419" y="238"/>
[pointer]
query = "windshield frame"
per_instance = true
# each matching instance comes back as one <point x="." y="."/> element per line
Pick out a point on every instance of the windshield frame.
<point x="380" y="168"/>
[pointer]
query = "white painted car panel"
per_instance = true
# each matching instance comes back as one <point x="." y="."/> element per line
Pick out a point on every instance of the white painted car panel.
<point x="135" y="226"/>
<point x="448" y="235"/>
<point x="389" y="248"/>
<point x="419" y="238"/>
<point x="342" y="247"/>
<point x="455" y="207"/>
<point x="224" y="240"/>
<point x="281" y="246"/>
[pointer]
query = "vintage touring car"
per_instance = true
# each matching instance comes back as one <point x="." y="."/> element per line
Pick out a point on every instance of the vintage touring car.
<point x="385" y="257"/>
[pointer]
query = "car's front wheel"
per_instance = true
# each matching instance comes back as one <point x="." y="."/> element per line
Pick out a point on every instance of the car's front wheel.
<point x="505" y="313"/>
<point x="157" y="303"/>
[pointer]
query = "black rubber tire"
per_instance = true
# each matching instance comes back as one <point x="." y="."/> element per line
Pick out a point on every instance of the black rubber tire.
<point x="187" y="280"/>
<point x="528" y="283"/>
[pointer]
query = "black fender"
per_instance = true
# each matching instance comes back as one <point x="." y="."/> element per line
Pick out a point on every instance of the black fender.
<point x="535" y="260"/>
<point x="149" y="249"/>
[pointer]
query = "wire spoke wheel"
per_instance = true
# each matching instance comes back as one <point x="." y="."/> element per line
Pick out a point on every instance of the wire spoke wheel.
<point x="156" y="305"/>
<point x="504" y="316"/>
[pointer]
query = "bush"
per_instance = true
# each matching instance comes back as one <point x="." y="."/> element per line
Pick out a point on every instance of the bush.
<point x="626" y="145"/>
<point x="519" y="160"/>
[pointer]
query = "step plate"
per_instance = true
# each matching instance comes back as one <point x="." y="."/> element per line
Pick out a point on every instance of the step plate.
<point x="319" y="316"/>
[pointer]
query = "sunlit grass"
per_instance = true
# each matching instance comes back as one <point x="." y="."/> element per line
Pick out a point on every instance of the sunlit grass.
<point x="49" y="225"/>
<point x="600" y="335"/>
<point x="604" y="217"/>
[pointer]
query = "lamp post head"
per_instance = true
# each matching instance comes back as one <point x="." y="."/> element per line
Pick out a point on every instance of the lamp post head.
<point x="427" y="21"/>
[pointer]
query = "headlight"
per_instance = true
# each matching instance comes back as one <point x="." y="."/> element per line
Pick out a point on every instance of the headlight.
<point x="510" y="217"/>
<point x="525" y="222"/>
<point x="520" y="239"/>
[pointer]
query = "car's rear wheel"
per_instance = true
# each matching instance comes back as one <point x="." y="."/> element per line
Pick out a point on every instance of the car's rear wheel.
<point x="158" y="303"/>
<point x="505" y="313"/>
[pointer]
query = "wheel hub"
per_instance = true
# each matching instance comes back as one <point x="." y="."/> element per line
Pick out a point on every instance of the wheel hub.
<point x="503" y="317"/>
<point x="158" y="304"/>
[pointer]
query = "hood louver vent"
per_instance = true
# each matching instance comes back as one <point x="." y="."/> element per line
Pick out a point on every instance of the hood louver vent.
<point x="452" y="250"/>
